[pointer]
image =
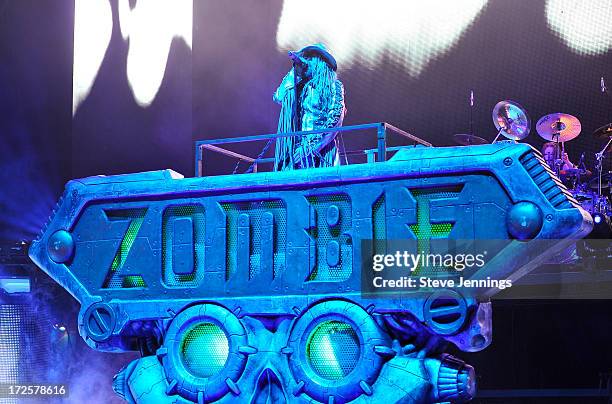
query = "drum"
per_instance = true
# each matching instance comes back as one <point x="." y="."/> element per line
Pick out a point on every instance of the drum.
<point x="603" y="205"/>
<point x="592" y="202"/>
<point x="586" y="199"/>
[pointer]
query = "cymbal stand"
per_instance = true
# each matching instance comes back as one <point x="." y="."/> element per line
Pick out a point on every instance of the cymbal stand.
<point x="558" y="154"/>
<point x="498" y="134"/>
<point x="599" y="158"/>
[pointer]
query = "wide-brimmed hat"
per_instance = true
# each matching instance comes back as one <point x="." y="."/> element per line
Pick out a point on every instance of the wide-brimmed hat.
<point x="319" y="50"/>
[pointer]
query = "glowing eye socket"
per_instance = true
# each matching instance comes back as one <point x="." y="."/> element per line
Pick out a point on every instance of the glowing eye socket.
<point x="333" y="349"/>
<point x="205" y="349"/>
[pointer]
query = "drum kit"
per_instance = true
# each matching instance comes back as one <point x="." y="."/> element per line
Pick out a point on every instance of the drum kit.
<point x="592" y="192"/>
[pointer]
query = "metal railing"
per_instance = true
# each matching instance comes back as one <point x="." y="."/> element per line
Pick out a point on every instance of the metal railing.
<point x="377" y="154"/>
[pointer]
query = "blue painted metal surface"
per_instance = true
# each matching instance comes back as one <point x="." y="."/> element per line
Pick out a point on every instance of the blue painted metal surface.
<point x="269" y="257"/>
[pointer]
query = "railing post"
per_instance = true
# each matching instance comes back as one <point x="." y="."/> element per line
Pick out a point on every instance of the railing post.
<point x="381" y="137"/>
<point x="199" y="151"/>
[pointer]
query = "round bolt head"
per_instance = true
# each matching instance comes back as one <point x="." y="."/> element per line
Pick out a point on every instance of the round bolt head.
<point x="524" y="220"/>
<point x="60" y="246"/>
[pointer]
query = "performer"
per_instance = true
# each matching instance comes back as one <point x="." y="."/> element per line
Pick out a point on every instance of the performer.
<point x="311" y="97"/>
<point x="550" y="153"/>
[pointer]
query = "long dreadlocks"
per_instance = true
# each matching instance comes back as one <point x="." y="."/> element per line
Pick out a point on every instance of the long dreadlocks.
<point x="323" y="79"/>
<point x="319" y="104"/>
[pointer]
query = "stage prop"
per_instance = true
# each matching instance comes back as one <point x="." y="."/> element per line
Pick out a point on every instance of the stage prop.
<point x="248" y="288"/>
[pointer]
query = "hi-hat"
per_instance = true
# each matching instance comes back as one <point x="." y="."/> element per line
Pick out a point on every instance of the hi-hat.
<point x="604" y="132"/>
<point x="558" y="127"/>
<point x="573" y="172"/>
<point x="511" y="120"/>
<point x="467" y="139"/>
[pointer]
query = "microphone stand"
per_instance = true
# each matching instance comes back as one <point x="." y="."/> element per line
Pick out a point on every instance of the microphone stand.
<point x="295" y="118"/>
<point x="471" y="112"/>
<point x="599" y="158"/>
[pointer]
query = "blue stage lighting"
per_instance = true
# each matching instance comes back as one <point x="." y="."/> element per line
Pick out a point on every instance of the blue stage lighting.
<point x="12" y="285"/>
<point x="597" y="218"/>
<point x="10" y="345"/>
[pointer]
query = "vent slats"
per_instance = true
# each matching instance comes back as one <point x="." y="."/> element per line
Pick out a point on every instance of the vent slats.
<point x="554" y="191"/>
<point x="547" y="187"/>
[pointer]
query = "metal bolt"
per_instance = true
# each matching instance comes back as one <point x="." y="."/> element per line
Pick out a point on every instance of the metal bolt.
<point x="100" y="322"/>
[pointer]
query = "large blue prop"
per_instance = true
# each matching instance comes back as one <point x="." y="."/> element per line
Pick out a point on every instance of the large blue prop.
<point x="248" y="287"/>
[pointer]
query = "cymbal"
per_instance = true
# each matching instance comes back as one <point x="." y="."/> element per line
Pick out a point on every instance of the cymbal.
<point x="606" y="180"/>
<point x="558" y="127"/>
<point x="604" y="132"/>
<point x="466" y="139"/>
<point x="511" y="119"/>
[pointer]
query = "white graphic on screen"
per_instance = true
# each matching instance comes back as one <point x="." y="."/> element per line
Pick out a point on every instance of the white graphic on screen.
<point x="148" y="28"/>
<point x="93" y="24"/>
<point x="411" y="33"/>
<point x="584" y="26"/>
